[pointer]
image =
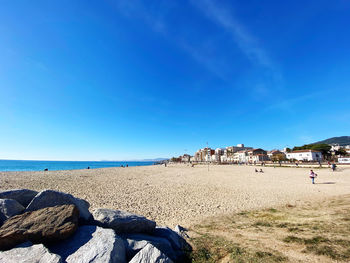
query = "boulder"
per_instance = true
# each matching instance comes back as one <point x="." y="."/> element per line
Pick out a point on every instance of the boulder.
<point x="2" y="218"/>
<point x="135" y="242"/>
<point x="176" y="240"/>
<point x="22" y="196"/>
<point x="49" y="198"/>
<point x="181" y="231"/>
<point x="91" y="244"/>
<point x="150" y="254"/>
<point x="29" y="253"/>
<point x="123" y="222"/>
<point x="46" y="225"/>
<point x="10" y="207"/>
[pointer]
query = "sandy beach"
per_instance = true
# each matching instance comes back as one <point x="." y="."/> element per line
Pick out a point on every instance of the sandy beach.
<point x="180" y="194"/>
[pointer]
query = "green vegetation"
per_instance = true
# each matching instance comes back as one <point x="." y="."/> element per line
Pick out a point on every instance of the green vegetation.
<point x="320" y="230"/>
<point x="336" y="249"/>
<point x="342" y="140"/>
<point x="323" y="148"/>
<point x="212" y="249"/>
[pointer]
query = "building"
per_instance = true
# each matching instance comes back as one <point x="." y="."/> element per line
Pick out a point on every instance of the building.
<point x="276" y="155"/>
<point x="185" y="158"/>
<point x="204" y="155"/>
<point x="257" y="155"/>
<point x="305" y="155"/>
<point x="240" y="156"/>
<point x="219" y="155"/>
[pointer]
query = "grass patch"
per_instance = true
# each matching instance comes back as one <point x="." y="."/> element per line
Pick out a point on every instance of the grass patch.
<point x="294" y="229"/>
<point x="262" y="223"/>
<point x="329" y="251"/>
<point x="293" y="239"/>
<point x="282" y="225"/>
<point x="210" y="248"/>
<point x="338" y="249"/>
<point x="321" y="229"/>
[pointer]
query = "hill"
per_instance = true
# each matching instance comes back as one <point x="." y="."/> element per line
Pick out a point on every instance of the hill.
<point x="342" y="140"/>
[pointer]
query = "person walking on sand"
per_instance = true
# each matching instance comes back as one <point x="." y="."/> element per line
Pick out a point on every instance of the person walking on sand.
<point x="333" y="167"/>
<point x="312" y="176"/>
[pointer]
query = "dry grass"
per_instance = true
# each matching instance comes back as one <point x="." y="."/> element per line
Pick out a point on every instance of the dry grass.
<point x="317" y="232"/>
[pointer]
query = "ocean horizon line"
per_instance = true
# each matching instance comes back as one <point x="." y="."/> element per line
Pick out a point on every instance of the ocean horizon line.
<point x="132" y="160"/>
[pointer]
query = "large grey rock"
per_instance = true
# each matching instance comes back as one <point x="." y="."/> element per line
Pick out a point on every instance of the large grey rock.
<point x="22" y="196"/>
<point x="135" y="242"/>
<point x="176" y="240"/>
<point x="2" y="218"/>
<point x="92" y="244"/>
<point x="123" y="222"/>
<point x="49" y="198"/>
<point x="150" y="254"/>
<point x="45" y="226"/>
<point x="28" y="253"/>
<point x="10" y="207"/>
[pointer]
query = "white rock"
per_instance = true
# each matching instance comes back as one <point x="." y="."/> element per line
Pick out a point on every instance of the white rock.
<point x="10" y="207"/>
<point x="135" y="242"/>
<point x="92" y="244"/>
<point x="22" y="196"/>
<point x="49" y="198"/>
<point x="123" y="222"/>
<point x="150" y="254"/>
<point x="28" y="253"/>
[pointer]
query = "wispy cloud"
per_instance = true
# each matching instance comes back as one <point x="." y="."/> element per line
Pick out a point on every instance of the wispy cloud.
<point x="214" y="59"/>
<point x="247" y="43"/>
<point x="289" y="105"/>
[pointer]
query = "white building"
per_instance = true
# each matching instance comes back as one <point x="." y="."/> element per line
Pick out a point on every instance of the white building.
<point x="305" y="155"/>
<point x="343" y="160"/>
<point x="240" y="156"/>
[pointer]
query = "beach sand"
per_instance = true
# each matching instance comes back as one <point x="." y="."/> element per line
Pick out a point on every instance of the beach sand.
<point x="185" y="195"/>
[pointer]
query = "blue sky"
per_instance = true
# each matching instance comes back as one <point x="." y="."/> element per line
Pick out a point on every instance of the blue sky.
<point x="114" y="80"/>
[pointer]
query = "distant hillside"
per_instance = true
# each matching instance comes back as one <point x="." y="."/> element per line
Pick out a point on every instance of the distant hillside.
<point x="342" y="140"/>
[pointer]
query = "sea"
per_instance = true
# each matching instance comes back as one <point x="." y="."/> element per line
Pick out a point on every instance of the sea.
<point x="20" y="165"/>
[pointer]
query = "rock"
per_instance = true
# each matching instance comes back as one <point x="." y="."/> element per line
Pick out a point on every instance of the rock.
<point x="181" y="231"/>
<point x="49" y="198"/>
<point x="2" y="218"/>
<point x="92" y="244"/>
<point x="123" y="222"/>
<point x="22" y="196"/>
<point x="46" y="225"/>
<point x="10" y="207"/>
<point x="29" y="253"/>
<point x="150" y="254"/>
<point x="135" y="242"/>
<point x="176" y="240"/>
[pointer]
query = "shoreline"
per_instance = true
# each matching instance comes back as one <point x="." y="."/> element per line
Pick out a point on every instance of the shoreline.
<point x="185" y="195"/>
<point x="37" y="166"/>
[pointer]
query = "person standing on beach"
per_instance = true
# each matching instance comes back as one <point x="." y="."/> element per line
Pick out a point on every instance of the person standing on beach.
<point x="333" y="167"/>
<point x="312" y="176"/>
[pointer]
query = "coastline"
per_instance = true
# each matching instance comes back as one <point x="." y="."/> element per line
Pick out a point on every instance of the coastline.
<point x="36" y="165"/>
<point x="181" y="194"/>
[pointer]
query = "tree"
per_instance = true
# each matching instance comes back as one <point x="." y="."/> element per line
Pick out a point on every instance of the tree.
<point x="321" y="147"/>
<point x="341" y="152"/>
<point x="278" y="157"/>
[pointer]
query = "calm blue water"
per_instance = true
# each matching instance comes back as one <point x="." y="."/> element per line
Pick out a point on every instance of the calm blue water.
<point x="15" y="165"/>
